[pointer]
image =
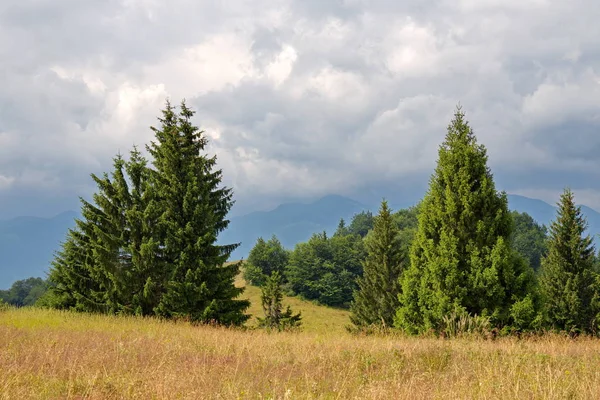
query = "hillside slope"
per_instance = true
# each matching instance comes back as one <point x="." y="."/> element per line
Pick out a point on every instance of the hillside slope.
<point x="315" y="318"/>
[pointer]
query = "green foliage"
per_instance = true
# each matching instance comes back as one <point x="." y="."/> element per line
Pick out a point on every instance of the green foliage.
<point x="24" y="292"/>
<point x="109" y="257"/>
<point x="460" y="324"/>
<point x="4" y="306"/>
<point x="71" y="283"/>
<point x="193" y="208"/>
<point x="342" y="229"/>
<point x="529" y="238"/>
<point x="361" y="223"/>
<point x="567" y="281"/>
<point x="325" y="269"/>
<point x="376" y="299"/>
<point x="146" y="244"/>
<point x="525" y="313"/>
<point x="271" y="299"/>
<point x="407" y="220"/>
<point x="461" y="260"/>
<point x="264" y="259"/>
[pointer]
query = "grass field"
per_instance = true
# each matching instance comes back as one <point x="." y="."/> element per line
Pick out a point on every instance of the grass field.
<point x="59" y="355"/>
<point x="315" y="319"/>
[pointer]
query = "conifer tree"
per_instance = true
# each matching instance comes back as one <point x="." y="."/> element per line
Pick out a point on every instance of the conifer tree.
<point x="342" y="229"/>
<point x="100" y="267"/>
<point x="567" y="271"/>
<point x="460" y="259"/>
<point x="271" y="298"/>
<point x="199" y="286"/>
<point x="71" y="284"/>
<point x="376" y="300"/>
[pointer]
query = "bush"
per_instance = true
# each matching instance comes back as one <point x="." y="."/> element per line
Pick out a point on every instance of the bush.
<point x="461" y="324"/>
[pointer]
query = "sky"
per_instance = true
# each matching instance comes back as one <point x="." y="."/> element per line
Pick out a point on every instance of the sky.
<point x="300" y="98"/>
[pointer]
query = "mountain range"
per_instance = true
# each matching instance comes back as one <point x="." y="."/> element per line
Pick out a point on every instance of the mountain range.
<point x="27" y="244"/>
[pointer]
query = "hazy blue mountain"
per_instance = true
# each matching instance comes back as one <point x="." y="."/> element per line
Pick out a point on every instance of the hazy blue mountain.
<point x="291" y="223"/>
<point x="539" y="210"/>
<point x="27" y="245"/>
<point x="295" y="222"/>
<point x="545" y="213"/>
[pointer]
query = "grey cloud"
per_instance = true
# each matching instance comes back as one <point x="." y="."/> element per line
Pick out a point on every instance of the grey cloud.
<point x="307" y="98"/>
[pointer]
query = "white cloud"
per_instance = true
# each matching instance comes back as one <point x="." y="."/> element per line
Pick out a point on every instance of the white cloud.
<point x="220" y="61"/>
<point x="564" y="98"/>
<point x="280" y="68"/>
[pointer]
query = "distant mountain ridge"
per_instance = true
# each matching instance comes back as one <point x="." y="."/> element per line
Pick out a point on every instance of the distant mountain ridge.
<point x="291" y="222"/>
<point x="545" y="213"/>
<point x="27" y="244"/>
<point x="295" y="222"/>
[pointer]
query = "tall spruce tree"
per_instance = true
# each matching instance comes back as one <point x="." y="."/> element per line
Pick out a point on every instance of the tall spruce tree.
<point x="376" y="300"/>
<point x="199" y="286"/>
<point x="460" y="259"/>
<point x="102" y="266"/>
<point x="567" y="280"/>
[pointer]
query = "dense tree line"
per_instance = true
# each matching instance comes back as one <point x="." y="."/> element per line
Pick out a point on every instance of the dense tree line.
<point x="458" y="255"/>
<point x="25" y="292"/>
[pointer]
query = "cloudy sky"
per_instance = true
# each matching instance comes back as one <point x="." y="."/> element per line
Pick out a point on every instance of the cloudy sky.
<point x="300" y="98"/>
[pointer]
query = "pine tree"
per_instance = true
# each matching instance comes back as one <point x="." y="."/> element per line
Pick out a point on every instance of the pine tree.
<point x="141" y="247"/>
<point x="567" y="271"/>
<point x="460" y="259"/>
<point x="376" y="300"/>
<point x="199" y="286"/>
<point x="271" y="298"/>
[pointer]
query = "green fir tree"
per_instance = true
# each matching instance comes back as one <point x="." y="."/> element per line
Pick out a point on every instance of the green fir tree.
<point x="461" y="262"/>
<point x="342" y="229"/>
<point x="199" y="284"/>
<point x="567" y="281"/>
<point x="271" y="298"/>
<point x="376" y="300"/>
<point x="101" y="265"/>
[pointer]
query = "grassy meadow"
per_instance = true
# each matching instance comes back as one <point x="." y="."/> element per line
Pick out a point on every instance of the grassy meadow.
<point x="59" y="355"/>
<point x="315" y="319"/>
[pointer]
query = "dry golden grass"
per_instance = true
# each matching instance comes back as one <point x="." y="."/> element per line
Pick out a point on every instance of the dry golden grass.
<point x="59" y="355"/>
